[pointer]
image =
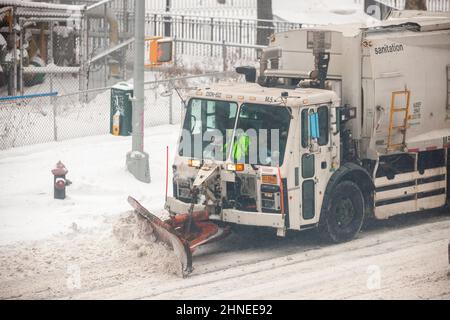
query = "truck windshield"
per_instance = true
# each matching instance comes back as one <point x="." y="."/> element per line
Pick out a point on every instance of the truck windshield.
<point x="205" y="128"/>
<point x="260" y="137"/>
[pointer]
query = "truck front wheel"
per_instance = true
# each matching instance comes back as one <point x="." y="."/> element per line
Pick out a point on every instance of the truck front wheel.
<point x="343" y="213"/>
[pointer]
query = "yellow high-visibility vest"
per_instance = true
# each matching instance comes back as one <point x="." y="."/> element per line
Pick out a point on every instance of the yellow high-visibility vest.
<point x="241" y="147"/>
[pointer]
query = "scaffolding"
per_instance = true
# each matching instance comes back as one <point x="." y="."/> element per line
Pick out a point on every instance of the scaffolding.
<point x="83" y="46"/>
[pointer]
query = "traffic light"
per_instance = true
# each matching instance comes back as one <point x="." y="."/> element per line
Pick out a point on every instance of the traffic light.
<point x="159" y="51"/>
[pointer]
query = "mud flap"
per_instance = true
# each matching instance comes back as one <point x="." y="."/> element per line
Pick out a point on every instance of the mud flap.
<point x="168" y="235"/>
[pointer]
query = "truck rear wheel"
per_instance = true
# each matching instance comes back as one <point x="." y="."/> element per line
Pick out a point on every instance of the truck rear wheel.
<point x="343" y="214"/>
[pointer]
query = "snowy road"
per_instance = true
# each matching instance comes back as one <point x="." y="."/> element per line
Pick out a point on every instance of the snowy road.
<point x="412" y="262"/>
<point x="401" y="258"/>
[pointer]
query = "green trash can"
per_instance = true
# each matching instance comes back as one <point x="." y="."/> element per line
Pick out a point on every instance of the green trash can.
<point x="121" y="109"/>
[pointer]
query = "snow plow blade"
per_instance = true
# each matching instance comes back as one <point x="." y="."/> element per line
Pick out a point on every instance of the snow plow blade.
<point x="168" y="235"/>
<point x="174" y="233"/>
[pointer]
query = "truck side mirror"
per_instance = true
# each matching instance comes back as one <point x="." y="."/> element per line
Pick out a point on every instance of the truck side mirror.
<point x="249" y="72"/>
<point x="335" y="120"/>
<point x="314" y="125"/>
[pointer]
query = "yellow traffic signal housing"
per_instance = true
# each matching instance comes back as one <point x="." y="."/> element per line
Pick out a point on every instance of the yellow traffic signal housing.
<point x="159" y="50"/>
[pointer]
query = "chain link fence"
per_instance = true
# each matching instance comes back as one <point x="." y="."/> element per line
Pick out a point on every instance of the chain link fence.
<point x="49" y="117"/>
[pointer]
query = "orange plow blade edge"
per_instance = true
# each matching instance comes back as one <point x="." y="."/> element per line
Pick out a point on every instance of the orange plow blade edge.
<point x="174" y="233"/>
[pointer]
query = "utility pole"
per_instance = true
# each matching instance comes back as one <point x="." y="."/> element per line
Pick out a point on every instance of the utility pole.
<point x="137" y="159"/>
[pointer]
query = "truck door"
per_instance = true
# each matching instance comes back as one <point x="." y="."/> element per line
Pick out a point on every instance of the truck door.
<point x="315" y="161"/>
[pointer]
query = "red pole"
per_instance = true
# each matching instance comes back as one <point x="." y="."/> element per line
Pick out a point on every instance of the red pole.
<point x="167" y="171"/>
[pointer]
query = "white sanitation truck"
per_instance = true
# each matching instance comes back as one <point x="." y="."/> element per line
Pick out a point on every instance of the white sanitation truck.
<point x="351" y="123"/>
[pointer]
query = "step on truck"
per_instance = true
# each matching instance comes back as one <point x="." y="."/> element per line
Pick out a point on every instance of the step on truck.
<point x="337" y="125"/>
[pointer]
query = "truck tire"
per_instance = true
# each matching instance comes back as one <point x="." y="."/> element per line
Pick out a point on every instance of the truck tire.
<point x="343" y="214"/>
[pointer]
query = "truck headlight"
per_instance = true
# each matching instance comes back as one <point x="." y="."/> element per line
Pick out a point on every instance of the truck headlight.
<point x="195" y="163"/>
<point x="239" y="167"/>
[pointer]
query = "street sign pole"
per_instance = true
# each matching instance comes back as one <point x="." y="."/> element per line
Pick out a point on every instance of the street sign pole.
<point x="137" y="159"/>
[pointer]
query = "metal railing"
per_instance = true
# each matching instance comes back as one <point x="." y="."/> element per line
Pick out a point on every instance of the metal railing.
<point x="210" y="8"/>
<point x="221" y="55"/>
<point x="215" y="29"/>
<point x="220" y="41"/>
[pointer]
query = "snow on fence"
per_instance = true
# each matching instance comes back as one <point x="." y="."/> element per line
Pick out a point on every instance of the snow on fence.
<point x="41" y="118"/>
<point x="27" y="121"/>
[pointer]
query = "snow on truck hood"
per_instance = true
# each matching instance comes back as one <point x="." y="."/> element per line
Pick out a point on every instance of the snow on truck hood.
<point x="254" y="93"/>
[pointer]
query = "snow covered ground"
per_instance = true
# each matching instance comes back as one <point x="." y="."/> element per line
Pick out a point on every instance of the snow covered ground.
<point x="92" y="246"/>
<point x="100" y="187"/>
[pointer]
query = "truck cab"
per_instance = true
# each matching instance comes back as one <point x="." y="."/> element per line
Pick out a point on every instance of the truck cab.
<point x="272" y="151"/>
